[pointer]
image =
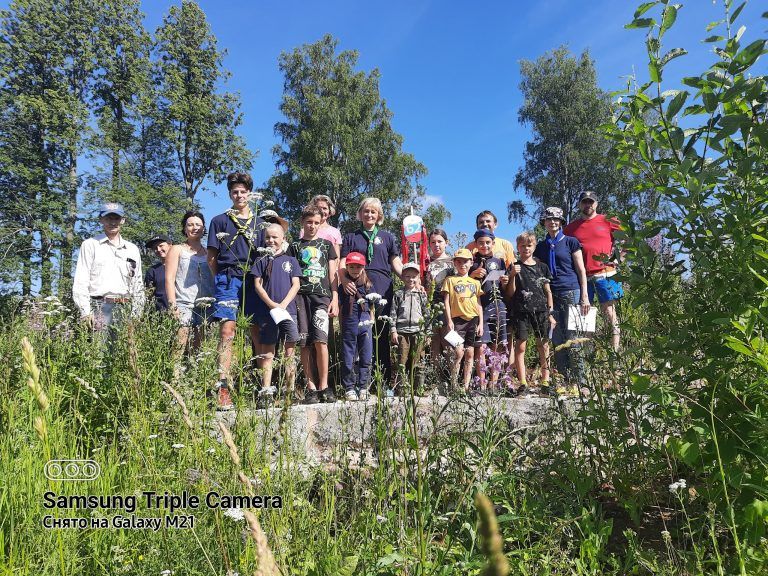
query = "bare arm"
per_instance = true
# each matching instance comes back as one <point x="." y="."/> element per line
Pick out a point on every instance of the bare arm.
<point x="397" y="265"/>
<point x="295" y="284"/>
<point x="213" y="254"/>
<point x="171" y="267"/>
<point x="333" y="308"/>
<point x="581" y="272"/>
<point x="259" y="285"/>
<point x="479" y="317"/>
<point x="447" y="304"/>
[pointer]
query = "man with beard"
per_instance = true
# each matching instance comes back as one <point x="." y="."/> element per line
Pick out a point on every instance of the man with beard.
<point x="595" y="232"/>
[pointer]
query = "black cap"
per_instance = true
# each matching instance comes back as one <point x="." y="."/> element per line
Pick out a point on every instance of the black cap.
<point x="154" y="241"/>
<point x="587" y="195"/>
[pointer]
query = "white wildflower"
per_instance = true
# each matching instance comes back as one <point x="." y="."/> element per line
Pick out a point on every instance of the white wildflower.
<point x="360" y="301"/>
<point x="373" y="297"/>
<point x="235" y="513"/>
<point x="675" y="487"/>
<point x="211" y="450"/>
<point x="268" y="250"/>
<point x="152" y="436"/>
<point x="178" y="446"/>
<point x="255" y="196"/>
<point x="166" y="573"/>
<point x="383" y="302"/>
<point x="268" y="203"/>
<point x="381" y="518"/>
<point x="91" y="390"/>
<point x="222" y="235"/>
<point x="364" y="323"/>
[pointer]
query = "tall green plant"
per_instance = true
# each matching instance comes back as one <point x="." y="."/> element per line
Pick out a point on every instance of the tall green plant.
<point x="703" y="148"/>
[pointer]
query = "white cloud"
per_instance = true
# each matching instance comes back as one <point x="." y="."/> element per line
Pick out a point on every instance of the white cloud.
<point x="432" y="199"/>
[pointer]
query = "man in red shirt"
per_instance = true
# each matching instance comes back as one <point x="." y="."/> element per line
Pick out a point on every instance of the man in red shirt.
<point x="595" y="232"/>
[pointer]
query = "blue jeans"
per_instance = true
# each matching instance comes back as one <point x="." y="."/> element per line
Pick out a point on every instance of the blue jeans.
<point x="569" y="361"/>
<point x="357" y="351"/>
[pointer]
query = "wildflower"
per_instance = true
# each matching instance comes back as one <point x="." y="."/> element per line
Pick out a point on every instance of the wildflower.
<point x="360" y="301"/>
<point x="235" y="513"/>
<point x="268" y="203"/>
<point x="151" y="436"/>
<point x="383" y="302"/>
<point x="666" y="536"/>
<point x="204" y="301"/>
<point x="268" y="250"/>
<point x="381" y="518"/>
<point x="211" y="450"/>
<point x="373" y="297"/>
<point x="177" y="446"/>
<point x="166" y="573"/>
<point x="90" y="389"/>
<point x="255" y="196"/>
<point x="364" y="323"/>
<point x="675" y="487"/>
<point x="222" y="235"/>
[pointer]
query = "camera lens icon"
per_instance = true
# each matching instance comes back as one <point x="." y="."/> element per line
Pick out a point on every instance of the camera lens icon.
<point x="72" y="470"/>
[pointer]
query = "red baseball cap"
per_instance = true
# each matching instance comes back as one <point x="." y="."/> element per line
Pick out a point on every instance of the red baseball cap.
<point x="356" y="258"/>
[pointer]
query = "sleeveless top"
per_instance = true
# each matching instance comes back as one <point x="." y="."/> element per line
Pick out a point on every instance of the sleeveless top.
<point x="193" y="278"/>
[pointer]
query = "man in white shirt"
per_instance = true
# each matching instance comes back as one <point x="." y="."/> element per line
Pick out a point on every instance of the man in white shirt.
<point x="108" y="273"/>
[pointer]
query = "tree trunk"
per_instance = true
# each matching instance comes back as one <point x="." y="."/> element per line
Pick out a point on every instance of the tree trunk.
<point x="68" y="245"/>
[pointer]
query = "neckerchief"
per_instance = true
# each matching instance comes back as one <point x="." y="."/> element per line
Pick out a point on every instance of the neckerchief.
<point x="370" y="236"/>
<point x="243" y="230"/>
<point x="552" y="243"/>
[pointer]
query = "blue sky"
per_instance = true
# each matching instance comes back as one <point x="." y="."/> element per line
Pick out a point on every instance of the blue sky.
<point x="449" y="72"/>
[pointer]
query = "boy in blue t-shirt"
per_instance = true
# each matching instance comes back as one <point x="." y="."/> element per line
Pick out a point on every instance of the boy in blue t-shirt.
<point x="276" y="280"/>
<point x="234" y="239"/>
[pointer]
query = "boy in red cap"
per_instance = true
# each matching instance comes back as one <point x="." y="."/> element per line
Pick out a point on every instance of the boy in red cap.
<point x="356" y="332"/>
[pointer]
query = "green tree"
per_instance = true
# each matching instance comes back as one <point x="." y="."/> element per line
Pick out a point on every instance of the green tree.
<point x="567" y="154"/>
<point x="198" y="122"/>
<point x="337" y="138"/>
<point x="706" y="153"/>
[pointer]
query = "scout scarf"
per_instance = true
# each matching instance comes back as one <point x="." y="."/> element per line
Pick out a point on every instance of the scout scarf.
<point x="243" y="230"/>
<point x="552" y="243"/>
<point x="370" y="236"/>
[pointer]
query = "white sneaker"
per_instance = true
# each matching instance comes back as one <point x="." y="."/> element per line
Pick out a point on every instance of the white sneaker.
<point x="351" y="395"/>
<point x="363" y="394"/>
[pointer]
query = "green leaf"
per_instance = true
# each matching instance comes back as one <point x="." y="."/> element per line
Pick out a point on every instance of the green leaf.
<point x="693" y="81"/>
<point x="737" y="12"/>
<point x="670" y="15"/>
<point x="751" y="53"/>
<point x="714" y="38"/>
<point x="653" y="71"/>
<point x="643" y="8"/>
<point x="713" y="25"/>
<point x="676" y="103"/>
<point x="348" y="567"/>
<point x="671" y="55"/>
<point x="739" y="346"/>
<point x="640" y="23"/>
<point x="710" y="101"/>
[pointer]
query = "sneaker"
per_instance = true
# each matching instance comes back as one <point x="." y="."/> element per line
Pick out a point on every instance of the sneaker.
<point x="223" y="397"/>
<point x="363" y="395"/>
<point x="311" y="397"/>
<point x="327" y="396"/>
<point x="561" y="391"/>
<point x="521" y="390"/>
<point x="351" y="396"/>
<point x="389" y="393"/>
<point x="573" y="391"/>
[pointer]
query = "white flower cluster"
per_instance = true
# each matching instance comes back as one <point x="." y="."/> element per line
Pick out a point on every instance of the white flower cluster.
<point x="269" y="251"/>
<point x="204" y="301"/>
<point x="360" y="301"/>
<point x="222" y="235"/>
<point x="90" y="389"/>
<point x="365" y="323"/>
<point x="178" y="446"/>
<point x="675" y="487"/>
<point x="373" y="297"/>
<point x="255" y="197"/>
<point x="235" y="513"/>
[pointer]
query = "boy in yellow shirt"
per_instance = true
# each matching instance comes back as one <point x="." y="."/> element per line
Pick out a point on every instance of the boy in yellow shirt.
<point x="461" y="295"/>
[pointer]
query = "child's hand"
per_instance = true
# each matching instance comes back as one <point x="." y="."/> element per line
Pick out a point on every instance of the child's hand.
<point x="552" y="321"/>
<point x="504" y="280"/>
<point x="393" y="337"/>
<point x="479" y="273"/>
<point x="349" y="286"/>
<point x="333" y="308"/>
<point x="515" y="268"/>
<point x="479" y="330"/>
<point x="449" y="324"/>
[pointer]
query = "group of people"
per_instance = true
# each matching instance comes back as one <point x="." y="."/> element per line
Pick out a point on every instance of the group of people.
<point x="478" y="306"/>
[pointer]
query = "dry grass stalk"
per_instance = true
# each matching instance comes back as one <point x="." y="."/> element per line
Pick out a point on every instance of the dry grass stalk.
<point x="33" y="381"/>
<point x="570" y="343"/>
<point x="181" y="403"/>
<point x="267" y="564"/>
<point x="491" y="542"/>
<point x="227" y="436"/>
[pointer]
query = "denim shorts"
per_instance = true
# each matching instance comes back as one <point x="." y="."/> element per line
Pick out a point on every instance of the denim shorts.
<point x="607" y="289"/>
<point x="189" y="315"/>
<point x="233" y="294"/>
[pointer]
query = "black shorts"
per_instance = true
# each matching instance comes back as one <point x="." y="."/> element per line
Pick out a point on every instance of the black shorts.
<point x="313" y="320"/>
<point x="270" y="333"/>
<point x="524" y="323"/>
<point x="467" y="329"/>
